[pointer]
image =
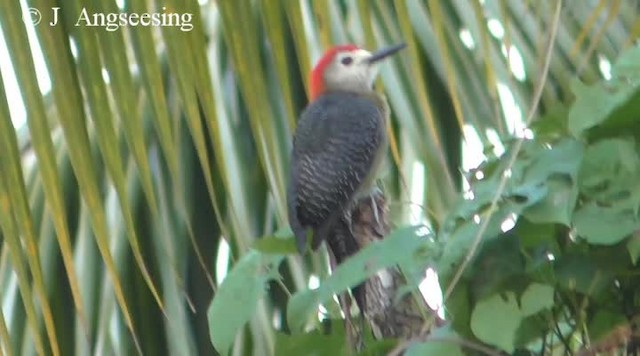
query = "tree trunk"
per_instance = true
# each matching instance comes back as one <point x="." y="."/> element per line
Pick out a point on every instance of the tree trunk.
<point x="388" y="316"/>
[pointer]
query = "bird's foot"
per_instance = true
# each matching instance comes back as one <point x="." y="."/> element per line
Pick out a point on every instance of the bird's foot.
<point x="348" y="220"/>
<point x="377" y="227"/>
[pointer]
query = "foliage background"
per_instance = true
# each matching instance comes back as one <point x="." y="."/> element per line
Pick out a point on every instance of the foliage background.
<point x="154" y="149"/>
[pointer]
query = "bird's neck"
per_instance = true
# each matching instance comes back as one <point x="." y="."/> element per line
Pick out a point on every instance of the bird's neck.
<point x="367" y="93"/>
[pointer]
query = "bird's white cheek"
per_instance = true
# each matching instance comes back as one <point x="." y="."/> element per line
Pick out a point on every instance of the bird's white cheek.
<point x="372" y="74"/>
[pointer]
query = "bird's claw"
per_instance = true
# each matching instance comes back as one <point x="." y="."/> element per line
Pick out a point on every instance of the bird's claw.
<point x="377" y="227"/>
<point x="347" y="218"/>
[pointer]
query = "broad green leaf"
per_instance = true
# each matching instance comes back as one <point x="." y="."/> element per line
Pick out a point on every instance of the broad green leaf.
<point x="236" y="299"/>
<point x="608" y="183"/>
<point x="532" y="235"/>
<point x="441" y="341"/>
<point x="400" y="247"/>
<point x="605" y="225"/>
<point x="380" y="347"/>
<point x="276" y="245"/>
<point x="461" y="237"/>
<point x="434" y="348"/>
<point x="610" y="103"/>
<point x="580" y="273"/>
<point x="605" y="322"/>
<point x="301" y="308"/>
<point x="458" y="310"/>
<point x="634" y="248"/>
<point x="313" y="343"/>
<point x="558" y="204"/>
<point x="599" y="103"/>
<point x="499" y="265"/>
<point x="528" y="334"/>
<point x="627" y="65"/>
<point x="496" y="319"/>
<point x="536" y="297"/>
<point x="563" y="157"/>
<point x="610" y="171"/>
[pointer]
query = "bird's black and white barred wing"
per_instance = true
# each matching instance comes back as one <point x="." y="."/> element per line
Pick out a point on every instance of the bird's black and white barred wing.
<point x="335" y="146"/>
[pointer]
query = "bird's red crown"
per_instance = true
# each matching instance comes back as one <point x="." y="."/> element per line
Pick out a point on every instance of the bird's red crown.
<point x="317" y="74"/>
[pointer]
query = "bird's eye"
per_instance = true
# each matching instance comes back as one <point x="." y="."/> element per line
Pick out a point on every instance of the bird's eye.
<point x="346" y="61"/>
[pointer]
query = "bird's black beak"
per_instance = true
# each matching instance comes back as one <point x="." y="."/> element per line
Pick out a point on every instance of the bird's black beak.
<point x="385" y="52"/>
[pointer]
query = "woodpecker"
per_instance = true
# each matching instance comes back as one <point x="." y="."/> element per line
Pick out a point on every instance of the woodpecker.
<point x="339" y="142"/>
